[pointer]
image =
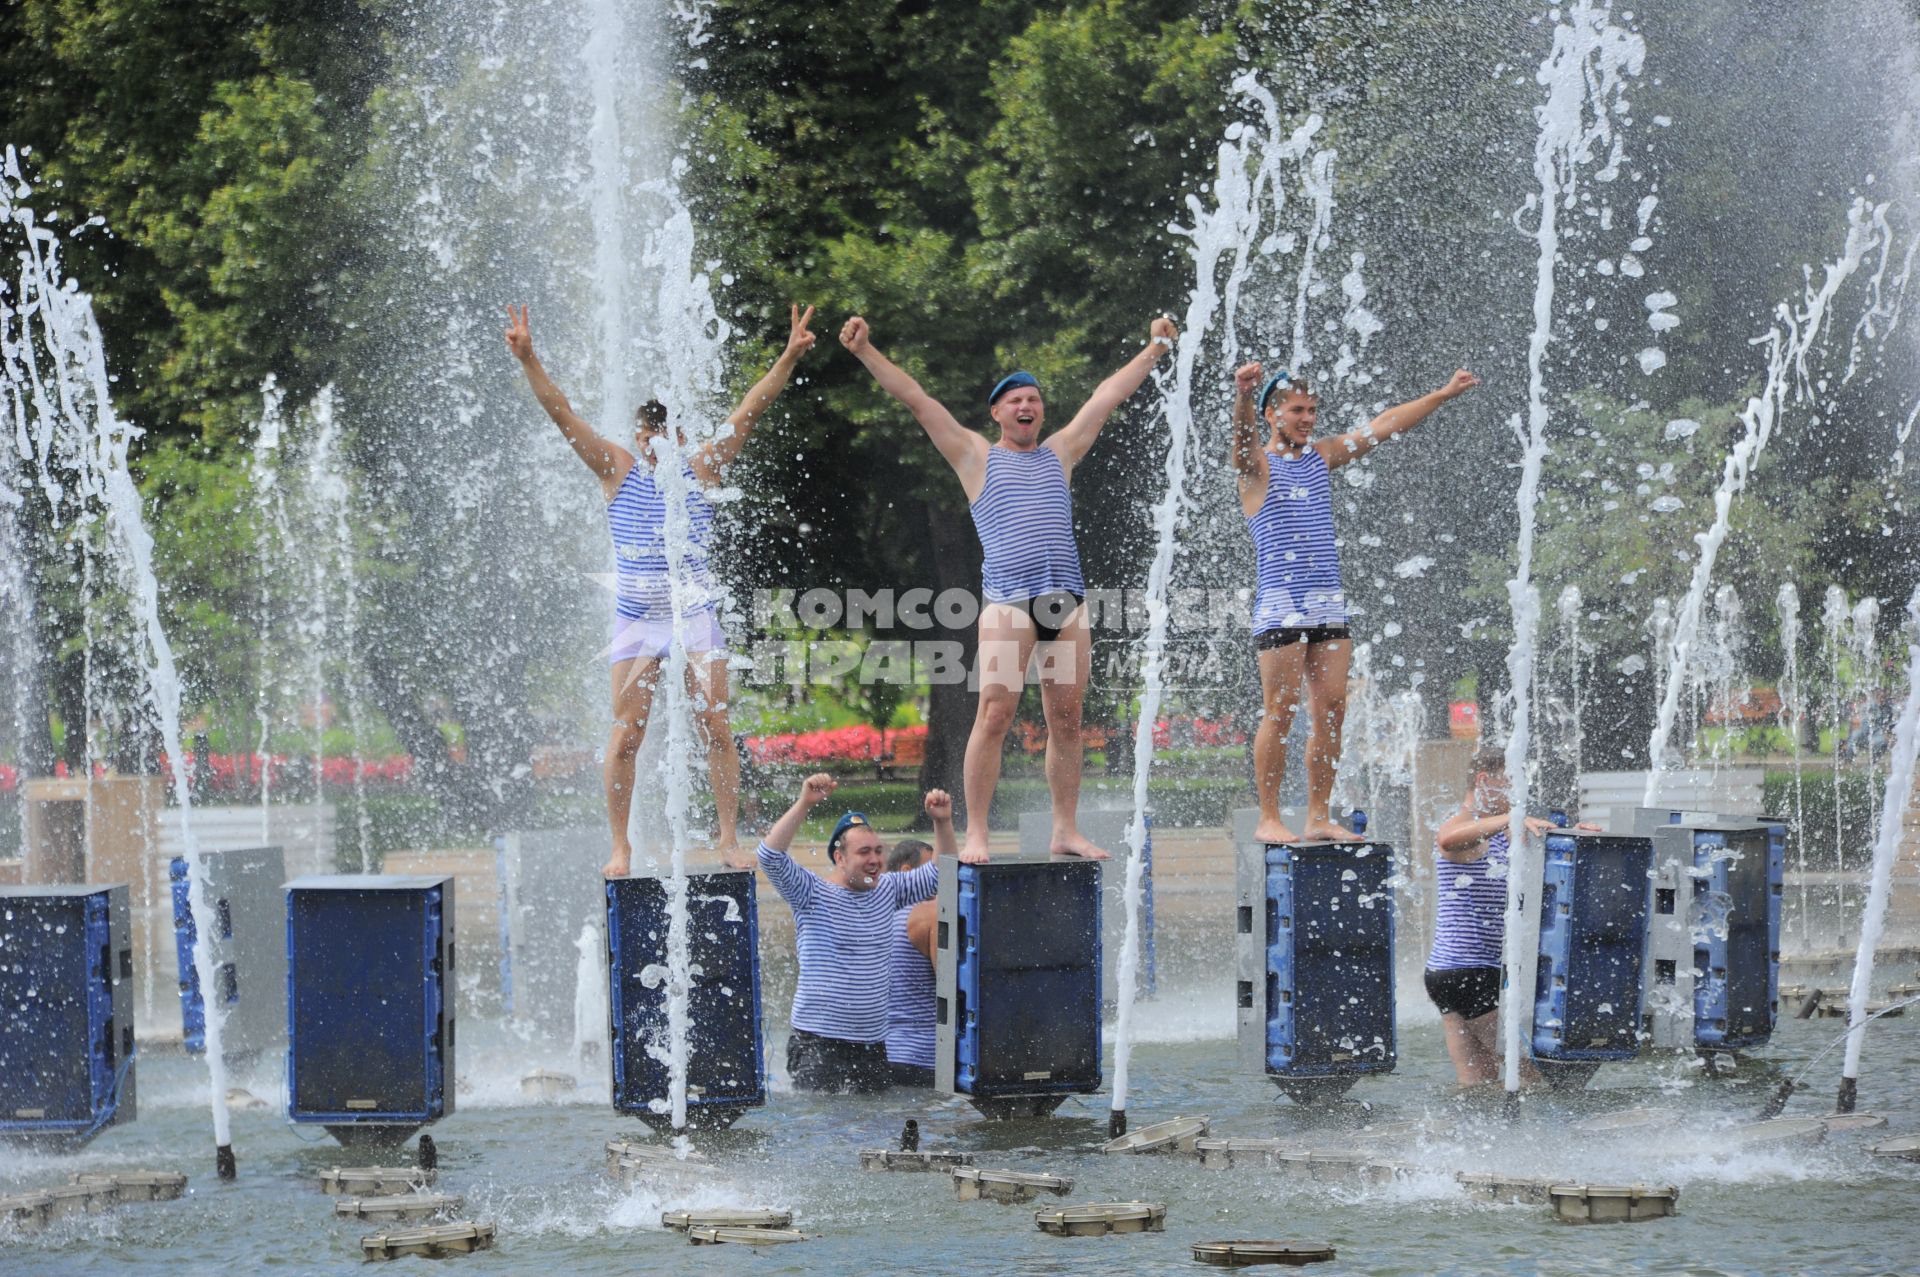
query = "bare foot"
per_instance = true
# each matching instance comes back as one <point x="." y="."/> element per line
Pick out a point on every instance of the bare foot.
<point x="974" y="852"/>
<point x="1273" y="832"/>
<point x="732" y="857"/>
<point x="620" y="863"/>
<point x="1076" y="843"/>
<point x="1329" y="831"/>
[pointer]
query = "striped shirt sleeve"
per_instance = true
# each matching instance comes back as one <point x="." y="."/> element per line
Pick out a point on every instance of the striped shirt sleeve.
<point x="794" y="882"/>
<point x="915" y="885"/>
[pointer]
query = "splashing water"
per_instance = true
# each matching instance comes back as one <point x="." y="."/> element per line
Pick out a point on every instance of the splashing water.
<point x="1584" y="76"/>
<point x="1893" y="810"/>
<point x="591" y="1002"/>
<point x="1863" y="645"/>
<point x="53" y="373"/>
<point x="1794" y="335"/>
<point x="1220" y="239"/>
<point x="1833" y="620"/>
<point x="1792" y="711"/>
<point x="270" y="508"/>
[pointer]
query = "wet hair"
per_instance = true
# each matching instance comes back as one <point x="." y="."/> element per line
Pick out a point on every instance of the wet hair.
<point x="907" y="854"/>
<point x="652" y="414"/>
<point x="1490" y="759"/>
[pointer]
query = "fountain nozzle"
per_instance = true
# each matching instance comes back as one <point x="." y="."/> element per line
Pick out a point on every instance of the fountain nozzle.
<point x="1116" y="1124"/>
<point x="1777" y="1102"/>
<point x="223" y="1164"/>
<point x="429" y="1154"/>
<point x="910" y="1137"/>
<point x="1849" y="1095"/>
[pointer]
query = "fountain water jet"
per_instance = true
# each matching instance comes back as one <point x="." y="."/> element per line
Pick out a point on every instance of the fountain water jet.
<point x="55" y="374"/>
<point x="1252" y="160"/>
<point x="1585" y="77"/>
<point x="1788" y="343"/>
<point x="1893" y="810"/>
<point x="1792" y="711"/>
<point x="1833" y="619"/>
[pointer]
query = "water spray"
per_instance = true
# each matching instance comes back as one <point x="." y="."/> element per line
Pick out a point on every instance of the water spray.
<point x="1585" y="77"/>
<point x="1893" y="808"/>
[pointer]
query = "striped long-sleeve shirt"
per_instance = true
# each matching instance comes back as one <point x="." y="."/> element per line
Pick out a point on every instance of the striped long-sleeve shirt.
<point x="1470" y="909"/>
<point x="910" y="1010"/>
<point x="843" y="937"/>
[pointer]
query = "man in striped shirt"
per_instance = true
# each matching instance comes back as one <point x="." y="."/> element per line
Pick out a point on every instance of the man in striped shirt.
<point x="1299" y="609"/>
<point x="843" y="925"/>
<point x="1033" y="594"/>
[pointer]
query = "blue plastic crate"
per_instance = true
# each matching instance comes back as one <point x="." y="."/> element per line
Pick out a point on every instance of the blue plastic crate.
<point x="1329" y="969"/>
<point x="1593" y="941"/>
<point x="726" y="1063"/>
<point x="66" y="1011"/>
<point x="1027" y="979"/>
<point x="1737" y="885"/>
<point x="370" y="1018"/>
<point x="193" y="1008"/>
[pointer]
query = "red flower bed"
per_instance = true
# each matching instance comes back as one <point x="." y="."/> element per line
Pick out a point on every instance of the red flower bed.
<point x="857" y="744"/>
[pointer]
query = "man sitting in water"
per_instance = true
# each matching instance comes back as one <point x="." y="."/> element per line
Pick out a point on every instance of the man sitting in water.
<point x="843" y="926"/>
<point x="910" y="964"/>
<point x="1018" y="490"/>
<point x="1299" y="609"/>
<point x="1469" y="926"/>
<point x="644" y="623"/>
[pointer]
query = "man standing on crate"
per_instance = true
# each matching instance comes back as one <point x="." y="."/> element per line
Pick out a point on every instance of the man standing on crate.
<point x="843" y="924"/>
<point x="1033" y="597"/>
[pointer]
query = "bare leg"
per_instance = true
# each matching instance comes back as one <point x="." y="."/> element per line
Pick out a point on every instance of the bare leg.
<point x="1065" y="665"/>
<point x="1471" y="1066"/>
<point x="709" y="693"/>
<point x="1006" y="643"/>
<point x="633" y="684"/>
<point x="1490" y="1057"/>
<point x="1281" y="669"/>
<point x="1327" y="704"/>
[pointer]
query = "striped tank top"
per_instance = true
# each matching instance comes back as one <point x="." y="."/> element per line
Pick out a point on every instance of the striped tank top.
<point x="910" y="1001"/>
<point x="844" y="938"/>
<point x="1296" y="560"/>
<point x="637" y="518"/>
<point x="1470" y="909"/>
<point x="1025" y="520"/>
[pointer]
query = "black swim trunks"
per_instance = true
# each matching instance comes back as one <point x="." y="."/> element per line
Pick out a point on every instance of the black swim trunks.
<point x="817" y="1063"/>
<point x="1270" y="639"/>
<point x="1050" y="612"/>
<point x="1468" y="992"/>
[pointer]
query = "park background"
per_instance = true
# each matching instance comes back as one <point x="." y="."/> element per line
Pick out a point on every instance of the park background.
<point x="253" y="194"/>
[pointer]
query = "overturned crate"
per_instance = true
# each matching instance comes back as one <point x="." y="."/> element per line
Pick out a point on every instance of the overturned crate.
<point x="893" y="1159"/>
<point x="1612" y="1203"/>
<point x="136" y="1186"/>
<point x="1097" y="1219"/>
<point x="683" y="1220"/>
<point x="711" y="1236"/>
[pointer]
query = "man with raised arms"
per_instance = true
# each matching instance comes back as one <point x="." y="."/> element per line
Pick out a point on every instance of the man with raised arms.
<point x="643" y="611"/>
<point x="1033" y="594"/>
<point x="844" y="923"/>
<point x="1299" y="608"/>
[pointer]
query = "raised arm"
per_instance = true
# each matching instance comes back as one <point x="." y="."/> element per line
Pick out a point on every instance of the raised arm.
<point x="1356" y="444"/>
<point x="814" y="790"/>
<point x="712" y="459"/>
<point x="939" y="808"/>
<point x="1248" y="458"/>
<point x="1075" y="439"/>
<point x="964" y="450"/>
<point x="608" y="460"/>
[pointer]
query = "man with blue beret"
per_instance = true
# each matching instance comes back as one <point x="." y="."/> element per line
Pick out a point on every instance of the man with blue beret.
<point x="843" y="925"/>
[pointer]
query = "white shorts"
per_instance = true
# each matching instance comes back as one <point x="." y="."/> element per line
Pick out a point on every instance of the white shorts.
<point x="634" y="638"/>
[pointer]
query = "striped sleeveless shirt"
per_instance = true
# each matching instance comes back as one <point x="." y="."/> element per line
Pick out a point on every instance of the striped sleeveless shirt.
<point x="1470" y="909"/>
<point x="1024" y="516"/>
<point x="637" y="520"/>
<point x="910" y="999"/>
<point x="843" y="939"/>
<point x="1296" y="559"/>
